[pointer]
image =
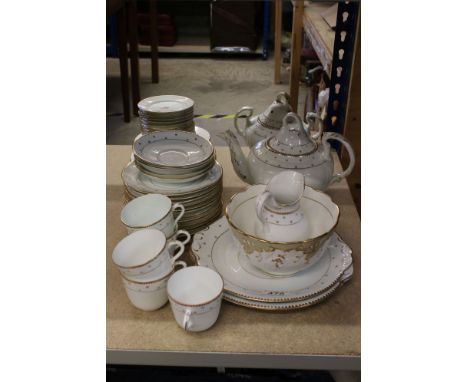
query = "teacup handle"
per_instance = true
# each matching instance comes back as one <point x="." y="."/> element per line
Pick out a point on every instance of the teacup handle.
<point x="182" y="211"/>
<point x="260" y="205"/>
<point x="338" y="137"/>
<point x="183" y="232"/>
<point x="187" y="321"/>
<point x="310" y="118"/>
<point x="248" y="114"/>
<point x="179" y="253"/>
<point x="183" y="264"/>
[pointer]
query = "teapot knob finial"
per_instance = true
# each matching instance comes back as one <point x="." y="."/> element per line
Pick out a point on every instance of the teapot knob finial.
<point x="283" y="96"/>
<point x="293" y="122"/>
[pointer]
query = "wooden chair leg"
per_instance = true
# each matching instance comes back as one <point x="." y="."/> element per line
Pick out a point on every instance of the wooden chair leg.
<point x="278" y="35"/>
<point x="296" y="46"/>
<point x="123" y="60"/>
<point x="154" y="42"/>
<point x="134" y="64"/>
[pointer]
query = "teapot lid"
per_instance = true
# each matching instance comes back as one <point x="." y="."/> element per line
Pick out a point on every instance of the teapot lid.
<point x="273" y="116"/>
<point x="292" y="139"/>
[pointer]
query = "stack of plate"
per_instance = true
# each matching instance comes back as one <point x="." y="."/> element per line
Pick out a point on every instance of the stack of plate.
<point x="166" y="112"/>
<point x="216" y="248"/>
<point x="173" y="156"/>
<point x="182" y="166"/>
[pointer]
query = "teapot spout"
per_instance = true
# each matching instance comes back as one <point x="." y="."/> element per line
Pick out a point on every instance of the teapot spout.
<point x="238" y="159"/>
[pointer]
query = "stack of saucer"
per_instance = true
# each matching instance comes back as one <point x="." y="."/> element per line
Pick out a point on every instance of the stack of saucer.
<point x="173" y="156"/>
<point x="166" y="112"/>
<point x="182" y="166"/>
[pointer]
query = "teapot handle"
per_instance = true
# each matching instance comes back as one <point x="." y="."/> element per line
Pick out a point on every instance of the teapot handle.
<point x="283" y="96"/>
<point x="352" y="160"/>
<point x="260" y="204"/>
<point x="249" y="113"/>
<point x="311" y="117"/>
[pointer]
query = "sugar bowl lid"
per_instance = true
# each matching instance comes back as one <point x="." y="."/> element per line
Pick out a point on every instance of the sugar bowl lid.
<point x="292" y="139"/>
<point x="273" y="116"/>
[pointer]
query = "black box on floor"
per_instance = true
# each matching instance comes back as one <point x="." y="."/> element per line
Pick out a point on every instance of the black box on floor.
<point x="233" y="24"/>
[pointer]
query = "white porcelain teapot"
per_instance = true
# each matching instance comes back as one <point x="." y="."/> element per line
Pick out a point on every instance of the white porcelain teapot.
<point x="280" y="217"/>
<point x="265" y="124"/>
<point x="291" y="148"/>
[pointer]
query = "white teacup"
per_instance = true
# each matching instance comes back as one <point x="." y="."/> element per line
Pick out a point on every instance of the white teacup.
<point x="145" y="251"/>
<point x="279" y="212"/>
<point x="151" y="211"/>
<point x="195" y="294"/>
<point x="149" y="294"/>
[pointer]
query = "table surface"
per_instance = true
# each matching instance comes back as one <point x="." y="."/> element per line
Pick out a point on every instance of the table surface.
<point x="324" y="336"/>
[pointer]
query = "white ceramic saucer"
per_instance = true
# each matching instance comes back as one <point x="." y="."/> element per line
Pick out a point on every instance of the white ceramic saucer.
<point x="197" y="129"/>
<point x="172" y="149"/>
<point x="165" y="104"/>
<point x="144" y="184"/>
<point x="216" y="248"/>
<point x="183" y="175"/>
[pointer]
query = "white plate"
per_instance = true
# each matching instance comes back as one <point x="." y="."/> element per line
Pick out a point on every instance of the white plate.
<point x="174" y="180"/>
<point x="200" y="200"/>
<point x="183" y="174"/>
<point x="160" y="127"/>
<point x="192" y="217"/>
<point x="190" y="199"/>
<point x="216" y="248"/>
<point x="169" y="125"/>
<point x="179" y="125"/>
<point x="165" y="104"/>
<point x="164" y="115"/>
<point x="187" y="113"/>
<point x="172" y="149"/>
<point x="291" y="305"/>
<point x="180" y="118"/>
<point x="144" y="184"/>
<point x="192" y="228"/>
